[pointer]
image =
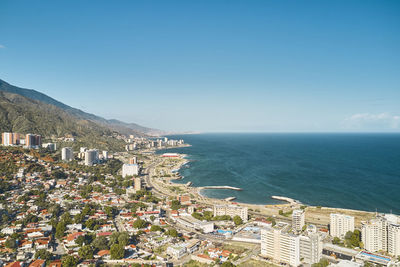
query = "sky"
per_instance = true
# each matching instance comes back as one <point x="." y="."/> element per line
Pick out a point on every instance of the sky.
<point x="212" y="66"/>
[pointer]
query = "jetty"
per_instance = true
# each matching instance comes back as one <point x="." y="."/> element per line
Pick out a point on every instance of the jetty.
<point x="222" y="187"/>
<point x="286" y="199"/>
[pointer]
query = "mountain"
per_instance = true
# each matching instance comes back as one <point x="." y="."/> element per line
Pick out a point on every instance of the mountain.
<point x="25" y="115"/>
<point x="115" y="125"/>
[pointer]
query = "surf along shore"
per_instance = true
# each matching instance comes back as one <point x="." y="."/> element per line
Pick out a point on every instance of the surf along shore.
<point x="163" y="170"/>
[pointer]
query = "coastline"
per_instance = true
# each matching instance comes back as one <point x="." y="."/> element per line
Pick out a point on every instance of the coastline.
<point x="164" y="174"/>
<point x="315" y="214"/>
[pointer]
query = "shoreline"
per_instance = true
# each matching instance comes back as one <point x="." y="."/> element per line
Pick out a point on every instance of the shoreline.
<point x="317" y="215"/>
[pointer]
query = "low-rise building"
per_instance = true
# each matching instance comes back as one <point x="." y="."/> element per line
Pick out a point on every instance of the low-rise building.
<point x="231" y="210"/>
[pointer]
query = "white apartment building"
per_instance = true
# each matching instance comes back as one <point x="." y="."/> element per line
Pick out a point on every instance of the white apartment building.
<point x="231" y="210"/>
<point x="176" y="251"/>
<point x="130" y="170"/>
<point x="67" y="154"/>
<point x="280" y="246"/>
<point x="91" y="157"/>
<point x="105" y="155"/>
<point x="10" y="139"/>
<point x="340" y="224"/>
<point x="382" y="234"/>
<point x="394" y="239"/>
<point x="374" y="234"/>
<point x="298" y="220"/>
<point x="311" y="248"/>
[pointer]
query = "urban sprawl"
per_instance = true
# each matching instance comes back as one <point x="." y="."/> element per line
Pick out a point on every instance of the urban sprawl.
<point x="61" y="207"/>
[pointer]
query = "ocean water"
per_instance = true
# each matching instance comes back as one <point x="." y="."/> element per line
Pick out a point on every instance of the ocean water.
<point x="356" y="171"/>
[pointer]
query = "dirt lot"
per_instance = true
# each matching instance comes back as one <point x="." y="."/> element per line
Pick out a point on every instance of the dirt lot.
<point x="322" y="215"/>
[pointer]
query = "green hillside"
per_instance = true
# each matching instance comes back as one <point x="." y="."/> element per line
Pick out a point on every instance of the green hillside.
<point x="25" y="115"/>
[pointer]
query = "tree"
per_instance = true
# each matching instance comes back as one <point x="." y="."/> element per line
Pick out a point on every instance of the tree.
<point x="113" y="238"/>
<point x="43" y="254"/>
<point x="117" y="251"/>
<point x="227" y="264"/>
<point x="60" y="230"/>
<point x="69" y="261"/>
<point x="123" y="239"/>
<point x="66" y="218"/>
<point x="172" y="232"/>
<point x="11" y="243"/>
<point x="155" y="228"/>
<point x="321" y="263"/>
<point x="352" y="239"/>
<point x="111" y="211"/>
<point x="237" y="220"/>
<point x="86" y="252"/>
<point x="100" y="243"/>
<point x="90" y="224"/>
<point x="80" y="240"/>
<point x="175" y="205"/>
<point x="79" y="218"/>
<point x="152" y="218"/>
<point x="139" y="224"/>
<point x="336" y="240"/>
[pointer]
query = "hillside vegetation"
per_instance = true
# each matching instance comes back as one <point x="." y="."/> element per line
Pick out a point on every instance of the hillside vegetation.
<point x="25" y="115"/>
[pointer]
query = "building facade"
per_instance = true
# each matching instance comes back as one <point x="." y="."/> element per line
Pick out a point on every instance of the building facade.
<point x="280" y="246"/>
<point x="130" y="170"/>
<point x="10" y="139"/>
<point x="91" y="157"/>
<point x="231" y="210"/>
<point x="298" y="220"/>
<point x="394" y="239"/>
<point x="67" y="154"/>
<point x="340" y="224"/>
<point x="310" y="248"/>
<point x="374" y="234"/>
<point x="33" y="140"/>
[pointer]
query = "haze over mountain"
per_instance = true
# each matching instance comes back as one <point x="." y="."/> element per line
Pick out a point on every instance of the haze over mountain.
<point x="28" y="110"/>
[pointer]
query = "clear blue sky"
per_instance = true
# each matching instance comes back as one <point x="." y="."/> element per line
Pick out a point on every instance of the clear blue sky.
<point x="212" y="65"/>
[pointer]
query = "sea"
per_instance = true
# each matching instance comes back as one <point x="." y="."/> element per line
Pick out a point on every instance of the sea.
<point x="354" y="171"/>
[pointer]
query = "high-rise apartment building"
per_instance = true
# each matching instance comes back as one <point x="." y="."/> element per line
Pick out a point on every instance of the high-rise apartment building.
<point x="298" y="220"/>
<point x="374" y="234"/>
<point x="382" y="234"/>
<point x="33" y="140"/>
<point x="310" y="248"/>
<point x="231" y="210"/>
<point x="394" y="239"/>
<point x="280" y="246"/>
<point x="67" y="154"/>
<point x="91" y="157"/>
<point x="340" y="224"/>
<point x="10" y="139"/>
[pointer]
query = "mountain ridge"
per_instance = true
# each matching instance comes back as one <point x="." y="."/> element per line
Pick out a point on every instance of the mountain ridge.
<point x="113" y="124"/>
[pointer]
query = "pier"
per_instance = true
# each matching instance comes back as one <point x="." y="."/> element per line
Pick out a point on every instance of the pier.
<point x="286" y="199"/>
<point x="222" y="187"/>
